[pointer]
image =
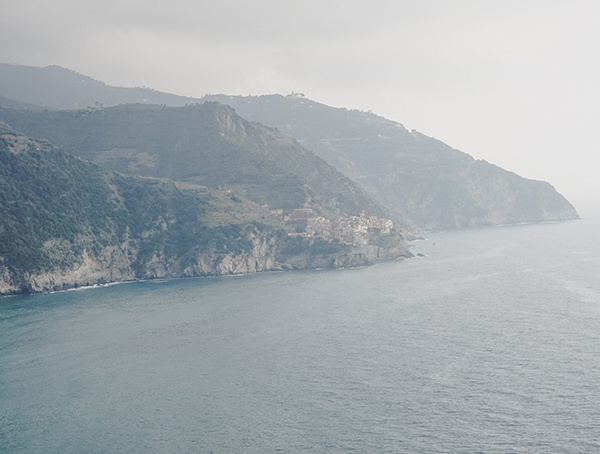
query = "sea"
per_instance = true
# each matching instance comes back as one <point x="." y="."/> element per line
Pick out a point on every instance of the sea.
<point x="488" y="343"/>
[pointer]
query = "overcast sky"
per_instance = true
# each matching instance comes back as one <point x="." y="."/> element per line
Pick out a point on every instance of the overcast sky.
<point x="516" y="83"/>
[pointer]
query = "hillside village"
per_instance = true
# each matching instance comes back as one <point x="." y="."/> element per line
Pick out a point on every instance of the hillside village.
<point x="351" y="230"/>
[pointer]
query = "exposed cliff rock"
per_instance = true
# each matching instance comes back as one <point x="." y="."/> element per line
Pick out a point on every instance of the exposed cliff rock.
<point x="328" y="261"/>
<point x="109" y="266"/>
<point x="114" y="264"/>
<point x="387" y="247"/>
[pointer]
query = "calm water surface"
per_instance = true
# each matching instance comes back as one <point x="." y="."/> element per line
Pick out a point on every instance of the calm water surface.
<point x="490" y="343"/>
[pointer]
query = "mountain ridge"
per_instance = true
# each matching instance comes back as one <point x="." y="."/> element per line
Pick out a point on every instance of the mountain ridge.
<point x="422" y="182"/>
<point x="207" y="144"/>
<point x="421" y="179"/>
<point x="61" y="88"/>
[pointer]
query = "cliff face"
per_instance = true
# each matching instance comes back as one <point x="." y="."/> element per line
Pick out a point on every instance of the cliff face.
<point x="110" y="265"/>
<point x="118" y="264"/>
<point x="474" y="194"/>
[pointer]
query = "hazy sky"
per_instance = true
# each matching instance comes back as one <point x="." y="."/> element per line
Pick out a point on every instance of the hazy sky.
<point x="516" y="83"/>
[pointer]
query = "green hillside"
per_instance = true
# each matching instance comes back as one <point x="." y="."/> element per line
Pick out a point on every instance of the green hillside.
<point x="422" y="182"/>
<point x="206" y="144"/>
<point x="60" y="88"/>
<point x="66" y="222"/>
<point x="420" y="179"/>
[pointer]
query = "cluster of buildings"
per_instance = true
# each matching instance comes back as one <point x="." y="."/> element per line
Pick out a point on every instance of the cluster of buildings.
<point x="354" y="230"/>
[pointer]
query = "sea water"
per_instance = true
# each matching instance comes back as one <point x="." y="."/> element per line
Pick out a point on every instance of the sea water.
<point x="490" y="343"/>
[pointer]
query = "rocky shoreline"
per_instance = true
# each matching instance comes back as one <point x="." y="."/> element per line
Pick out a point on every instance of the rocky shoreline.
<point x="113" y="266"/>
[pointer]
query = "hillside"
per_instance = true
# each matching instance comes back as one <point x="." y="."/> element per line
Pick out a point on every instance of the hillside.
<point x="66" y="222"/>
<point x="12" y="104"/>
<point x="206" y="144"/>
<point x="60" y="88"/>
<point x="422" y="180"/>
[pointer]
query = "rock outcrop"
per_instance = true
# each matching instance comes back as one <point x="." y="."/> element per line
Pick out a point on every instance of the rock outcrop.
<point x="114" y="264"/>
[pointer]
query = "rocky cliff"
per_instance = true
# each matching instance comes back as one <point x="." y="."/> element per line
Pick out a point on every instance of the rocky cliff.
<point x="118" y="264"/>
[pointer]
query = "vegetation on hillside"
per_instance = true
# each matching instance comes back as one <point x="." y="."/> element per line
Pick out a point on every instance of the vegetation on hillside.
<point x="206" y="144"/>
<point x="58" y="211"/>
<point x="422" y="181"/>
<point x="50" y="200"/>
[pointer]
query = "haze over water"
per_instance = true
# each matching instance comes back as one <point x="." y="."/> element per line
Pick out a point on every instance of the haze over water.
<point x="490" y="343"/>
